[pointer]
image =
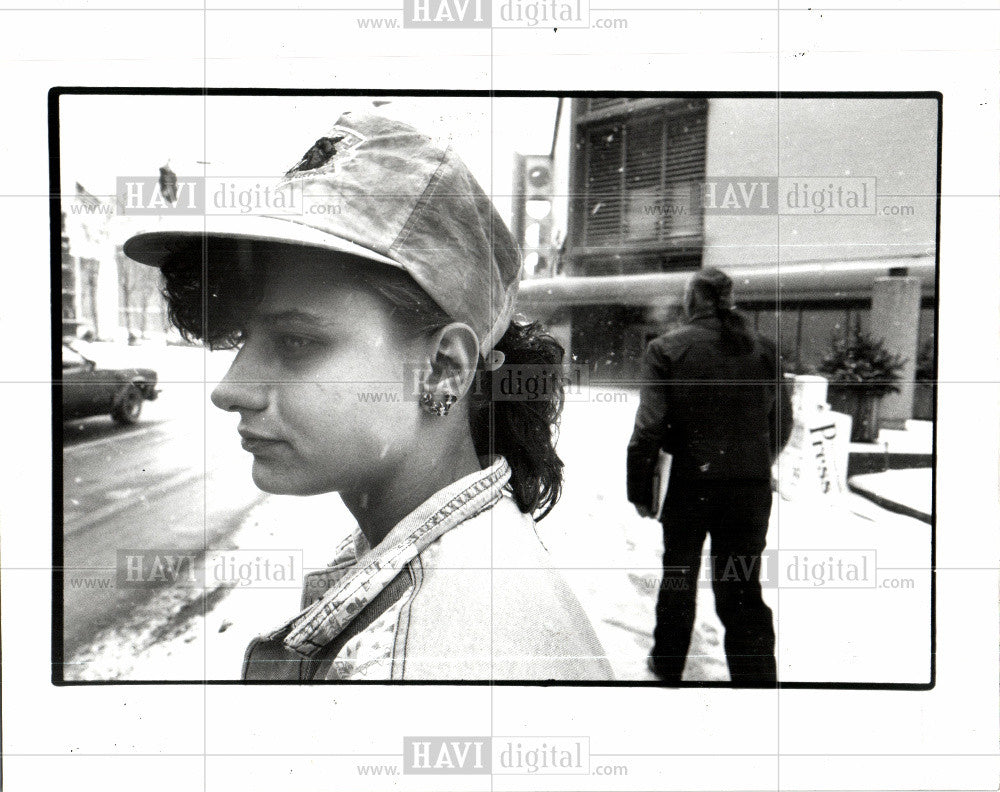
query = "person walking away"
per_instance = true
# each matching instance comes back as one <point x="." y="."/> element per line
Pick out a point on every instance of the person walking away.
<point x="713" y="397"/>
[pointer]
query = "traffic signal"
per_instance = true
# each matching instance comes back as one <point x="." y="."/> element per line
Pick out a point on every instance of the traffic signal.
<point x="532" y="216"/>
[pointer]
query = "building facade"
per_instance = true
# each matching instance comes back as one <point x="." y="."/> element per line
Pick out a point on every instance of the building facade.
<point x="105" y="295"/>
<point x="806" y="202"/>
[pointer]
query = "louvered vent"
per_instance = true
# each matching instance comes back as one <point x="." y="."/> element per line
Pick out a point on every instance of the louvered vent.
<point x="602" y="205"/>
<point x="603" y="103"/>
<point x="639" y="179"/>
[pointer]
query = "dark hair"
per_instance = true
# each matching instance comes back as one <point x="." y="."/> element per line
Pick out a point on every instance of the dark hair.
<point x="716" y="288"/>
<point x="211" y="303"/>
<point x="524" y="430"/>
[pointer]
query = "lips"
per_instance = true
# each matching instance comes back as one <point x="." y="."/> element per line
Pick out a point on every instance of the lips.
<point x="256" y="444"/>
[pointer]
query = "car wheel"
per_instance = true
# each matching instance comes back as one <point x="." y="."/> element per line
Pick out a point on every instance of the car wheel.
<point x="128" y="405"/>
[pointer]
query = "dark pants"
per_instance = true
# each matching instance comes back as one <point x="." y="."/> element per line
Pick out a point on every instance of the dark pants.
<point x="736" y="517"/>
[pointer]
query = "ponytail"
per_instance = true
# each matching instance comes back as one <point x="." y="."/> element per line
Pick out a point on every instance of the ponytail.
<point x="736" y="336"/>
<point x="523" y="428"/>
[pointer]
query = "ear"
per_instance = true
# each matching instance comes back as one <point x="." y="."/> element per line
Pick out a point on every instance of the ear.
<point x="453" y="354"/>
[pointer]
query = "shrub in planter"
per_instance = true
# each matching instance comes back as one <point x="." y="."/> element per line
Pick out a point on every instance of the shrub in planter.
<point x="861" y="372"/>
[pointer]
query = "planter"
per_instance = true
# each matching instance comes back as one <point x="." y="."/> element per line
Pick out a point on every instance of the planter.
<point x="923" y="400"/>
<point x="862" y="404"/>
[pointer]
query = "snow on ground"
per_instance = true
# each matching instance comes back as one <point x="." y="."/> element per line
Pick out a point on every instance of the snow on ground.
<point x="609" y="554"/>
<point x="201" y="633"/>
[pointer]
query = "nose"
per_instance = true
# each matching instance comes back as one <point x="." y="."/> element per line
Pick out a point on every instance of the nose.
<point x="244" y="388"/>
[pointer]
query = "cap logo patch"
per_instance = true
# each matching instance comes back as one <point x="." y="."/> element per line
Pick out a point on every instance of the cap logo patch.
<point x="325" y="150"/>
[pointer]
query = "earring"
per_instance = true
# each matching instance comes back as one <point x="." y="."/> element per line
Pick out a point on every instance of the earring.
<point x="435" y="407"/>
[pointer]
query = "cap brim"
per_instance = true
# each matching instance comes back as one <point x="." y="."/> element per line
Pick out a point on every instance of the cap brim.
<point x="156" y="247"/>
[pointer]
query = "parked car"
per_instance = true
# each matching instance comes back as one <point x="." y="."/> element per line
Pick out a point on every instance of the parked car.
<point x="90" y="390"/>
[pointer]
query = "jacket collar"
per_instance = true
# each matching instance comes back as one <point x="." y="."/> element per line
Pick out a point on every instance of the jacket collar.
<point x="326" y="618"/>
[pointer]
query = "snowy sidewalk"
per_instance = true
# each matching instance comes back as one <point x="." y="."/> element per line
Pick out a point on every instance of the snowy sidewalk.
<point x="907" y="491"/>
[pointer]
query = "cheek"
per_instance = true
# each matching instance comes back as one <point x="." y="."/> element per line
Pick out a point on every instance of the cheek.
<point x="389" y="430"/>
<point x="365" y="421"/>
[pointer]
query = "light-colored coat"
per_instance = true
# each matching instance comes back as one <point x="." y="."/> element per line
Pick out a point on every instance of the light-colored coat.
<point x="461" y="589"/>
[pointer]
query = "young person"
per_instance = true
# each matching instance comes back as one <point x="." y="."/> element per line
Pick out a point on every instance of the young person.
<point x="412" y="279"/>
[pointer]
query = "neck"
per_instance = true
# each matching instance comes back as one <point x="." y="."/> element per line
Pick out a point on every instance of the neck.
<point x="385" y="502"/>
<point x="701" y="311"/>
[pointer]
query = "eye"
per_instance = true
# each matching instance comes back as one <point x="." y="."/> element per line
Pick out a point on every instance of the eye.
<point x="295" y="344"/>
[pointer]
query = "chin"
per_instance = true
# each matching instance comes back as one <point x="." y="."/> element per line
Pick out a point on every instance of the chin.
<point x="278" y="484"/>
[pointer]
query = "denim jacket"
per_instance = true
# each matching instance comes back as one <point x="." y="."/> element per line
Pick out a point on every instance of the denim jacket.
<point x="460" y="589"/>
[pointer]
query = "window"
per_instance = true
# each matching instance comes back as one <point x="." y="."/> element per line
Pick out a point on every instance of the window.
<point x="639" y="178"/>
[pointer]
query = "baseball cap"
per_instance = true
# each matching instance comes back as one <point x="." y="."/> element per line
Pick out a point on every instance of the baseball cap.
<point x="404" y="199"/>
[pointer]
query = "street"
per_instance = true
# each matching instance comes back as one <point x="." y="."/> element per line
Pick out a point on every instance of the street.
<point x="176" y="481"/>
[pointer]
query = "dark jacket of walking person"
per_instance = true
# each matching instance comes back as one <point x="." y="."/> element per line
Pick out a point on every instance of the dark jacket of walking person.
<point x="713" y="397"/>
